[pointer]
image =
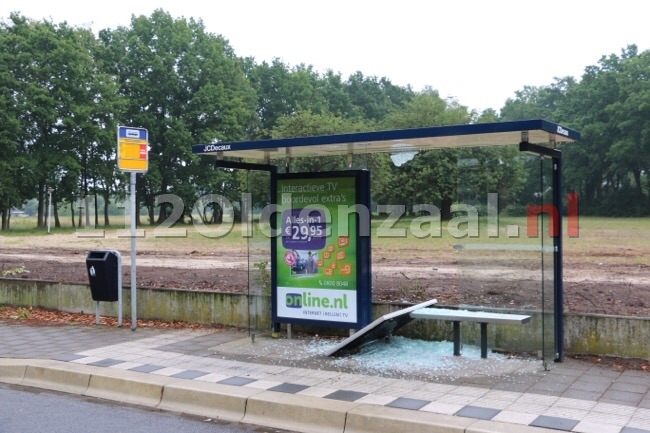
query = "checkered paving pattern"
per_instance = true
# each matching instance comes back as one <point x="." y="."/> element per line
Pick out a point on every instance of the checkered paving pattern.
<point x="575" y="397"/>
<point x="167" y="355"/>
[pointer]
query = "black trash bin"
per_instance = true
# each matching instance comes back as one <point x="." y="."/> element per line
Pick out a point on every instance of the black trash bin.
<point x="102" y="267"/>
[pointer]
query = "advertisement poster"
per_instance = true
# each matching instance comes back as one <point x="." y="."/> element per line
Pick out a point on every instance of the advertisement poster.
<point x="317" y="250"/>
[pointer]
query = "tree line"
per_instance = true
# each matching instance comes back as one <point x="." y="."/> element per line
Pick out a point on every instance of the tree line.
<point x="64" y="90"/>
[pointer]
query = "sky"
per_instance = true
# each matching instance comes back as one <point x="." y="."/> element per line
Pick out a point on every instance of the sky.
<point x="475" y="51"/>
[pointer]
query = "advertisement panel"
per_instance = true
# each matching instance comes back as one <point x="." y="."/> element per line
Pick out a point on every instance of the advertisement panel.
<point x="321" y="261"/>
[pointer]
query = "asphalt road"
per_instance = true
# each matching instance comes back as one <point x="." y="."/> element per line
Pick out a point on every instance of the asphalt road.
<point x="35" y="411"/>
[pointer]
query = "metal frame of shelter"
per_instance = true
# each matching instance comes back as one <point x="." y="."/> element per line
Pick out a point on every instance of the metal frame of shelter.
<point x="535" y="136"/>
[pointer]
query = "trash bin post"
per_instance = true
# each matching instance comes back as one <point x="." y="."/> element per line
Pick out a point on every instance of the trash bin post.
<point x="119" y="288"/>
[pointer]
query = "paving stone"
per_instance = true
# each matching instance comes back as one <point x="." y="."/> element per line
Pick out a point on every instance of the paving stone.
<point x="634" y="377"/>
<point x="263" y="384"/>
<point x="477" y="412"/>
<point x="596" y="378"/>
<point x="147" y="368"/>
<point x="237" y="381"/>
<point x="622" y="397"/>
<point x="614" y="409"/>
<point x="596" y="427"/>
<point x="381" y="400"/>
<point x="603" y="372"/>
<point x="551" y="388"/>
<point x="513" y="387"/>
<point x="581" y="395"/>
<point x="515" y="417"/>
<point x="317" y="391"/>
<point x="408" y="403"/>
<point x="586" y="385"/>
<point x="629" y="387"/>
<point x="289" y="388"/>
<point x="634" y="430"/>
<point x="189" y="374"/>
<point x="566" y="369"/>
<point x="555" y="423"/>
<point x="607" y="418"/>
<point x="565" y="412"/>
<point x="346" y="395"/>
<point x="491" y="403"/>
<point x="108" y="362"/>
<point x="574" y="403"/>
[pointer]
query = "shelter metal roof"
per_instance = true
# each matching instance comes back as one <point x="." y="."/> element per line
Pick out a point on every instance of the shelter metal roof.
<point x="393" y="141"/>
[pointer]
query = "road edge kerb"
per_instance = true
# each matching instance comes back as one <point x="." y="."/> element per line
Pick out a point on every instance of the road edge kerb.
<point x="128" y="386"/>
<point x="296" y="412"/>
<point x="212" y="400"/>
<point x="12" y="371"/>
<point x="482" y="426"/>
<point x="369" y="418"/>
<point x="57" y="376"/>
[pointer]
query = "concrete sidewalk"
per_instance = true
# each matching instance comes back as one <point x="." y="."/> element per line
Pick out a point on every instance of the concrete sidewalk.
<point x="289" y="383"/>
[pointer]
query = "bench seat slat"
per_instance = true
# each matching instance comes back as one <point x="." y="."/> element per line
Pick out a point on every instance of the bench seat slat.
<point x="469" y="316"/>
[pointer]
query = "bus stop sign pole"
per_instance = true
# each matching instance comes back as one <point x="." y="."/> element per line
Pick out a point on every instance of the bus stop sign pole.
<point x="133" y="157"/>
<point x="134" y="320"/>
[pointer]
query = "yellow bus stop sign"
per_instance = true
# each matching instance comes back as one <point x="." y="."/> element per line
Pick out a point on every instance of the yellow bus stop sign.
<point x="132" y="149"/>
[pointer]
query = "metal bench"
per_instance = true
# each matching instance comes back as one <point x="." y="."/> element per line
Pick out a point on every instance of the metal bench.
<point x="457" y="316"/>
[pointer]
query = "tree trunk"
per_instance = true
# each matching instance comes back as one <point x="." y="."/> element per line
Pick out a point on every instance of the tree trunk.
<point x="39" y="218"/>
<point x="162" y="208"/>
<point x="4" y="212"/>
<point x="445" y="209"/>
<point x="87" y="209"/>
<point x="162" y="213"/>
<point x="637" y="180"/>
<point x="152" y="215"/>
<point x="57" y="222"/>
<point x="96" y="209"/>
<point x="106" y="203"/>
<point x="72" y="213"/>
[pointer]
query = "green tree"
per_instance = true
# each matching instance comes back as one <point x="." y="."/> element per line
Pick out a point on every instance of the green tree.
<point x="543" y="102"/>
<point x="11" y="163"/>
<point x="306" y="123"/>
<point x="184" y="85"/>
<point x="52" y="69"/>
<point x="588" y="167"/>
<point x="376" y="97"/>
<point x="431" y="177"/>
<point x="630" y="149"/>
<point x="283" y="91"/>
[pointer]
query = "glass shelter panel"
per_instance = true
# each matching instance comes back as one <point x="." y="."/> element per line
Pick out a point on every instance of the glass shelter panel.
<point x="258" y="250"/>
<point x="547" y="224"/>
<point x="503" y="266"/>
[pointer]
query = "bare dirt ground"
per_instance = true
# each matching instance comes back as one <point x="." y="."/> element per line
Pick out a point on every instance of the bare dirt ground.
<point x="620" y="289"/>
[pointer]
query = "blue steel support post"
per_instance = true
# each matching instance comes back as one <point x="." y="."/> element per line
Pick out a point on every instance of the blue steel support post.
<point x="557" y="261"/>
<point x="364" y="251"/>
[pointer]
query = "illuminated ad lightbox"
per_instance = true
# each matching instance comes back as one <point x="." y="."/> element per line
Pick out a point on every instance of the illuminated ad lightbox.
<point x="320" y="256"/>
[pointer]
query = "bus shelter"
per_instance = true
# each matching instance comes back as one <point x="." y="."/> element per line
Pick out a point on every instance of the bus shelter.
<point x="518" y="252"/>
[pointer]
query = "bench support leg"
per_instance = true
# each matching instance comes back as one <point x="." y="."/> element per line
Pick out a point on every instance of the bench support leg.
<point x="456" y="338"/>
<point x="484" y="340"/>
